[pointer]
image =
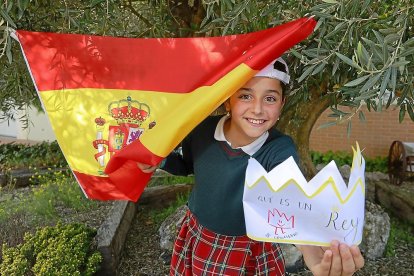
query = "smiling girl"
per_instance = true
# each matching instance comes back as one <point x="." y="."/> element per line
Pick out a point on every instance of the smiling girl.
<point x="212" y="239"/>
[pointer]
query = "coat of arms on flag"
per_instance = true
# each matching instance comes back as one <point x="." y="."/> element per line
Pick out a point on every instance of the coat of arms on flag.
<point x="113" y="102"/>
<point x="129" y="119"/>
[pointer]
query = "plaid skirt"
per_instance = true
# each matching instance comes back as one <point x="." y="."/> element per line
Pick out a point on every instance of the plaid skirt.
<point x="199" y="251"/>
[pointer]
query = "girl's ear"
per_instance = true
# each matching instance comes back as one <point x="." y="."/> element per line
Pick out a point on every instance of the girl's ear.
<point x="227" y="105"/>
<point x="283" y="102"/>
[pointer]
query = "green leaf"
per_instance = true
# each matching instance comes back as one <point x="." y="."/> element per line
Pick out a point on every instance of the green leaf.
<point x="347" y="60"/>
<point x="8" y="50"/>
<point x="379" y="37"/>
<point x="356" y="81"/>
<point x="348" y="129"/>
<point x="391" y="38"/>
<point x="318" y="68"/>
<point x="335" y="67"/>
<point x="330" y="1"/>
<point x="407" y="52"/>
<point x="7" y="18"/>
<point x="402" y="113"/>
<point x="365" y="5"/>
<point x="361" y="116"/>
<point x="385" y="54"/>
<point x="390" y="97"/>
<point x="337" y="29"/>
<point x="339" y="112"/>
<point x="375" y="48"/>
<point x="371" y="82"/>
<point x="384" y="82"/>
<point x="367" y="95"/>
<point x="306" y="73"/>
<point x="296" y="53"/>
<point x="320" y="22"/>
<point x="410" y="111"/>
<point x="393" y="78"/>
<point x="327" y="124"/>
<point x="409" y="42"/>
<point x="226" y="28"/>
<point x="362" y="53"/>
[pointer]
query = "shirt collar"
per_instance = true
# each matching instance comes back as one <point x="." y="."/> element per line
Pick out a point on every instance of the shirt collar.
<point x="250" y="149"/>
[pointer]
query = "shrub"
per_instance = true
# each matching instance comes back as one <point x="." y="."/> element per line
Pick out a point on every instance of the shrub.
<point x="377" y="164"/>
<point x="59" y="250"/>
<point x="44" y="154"/>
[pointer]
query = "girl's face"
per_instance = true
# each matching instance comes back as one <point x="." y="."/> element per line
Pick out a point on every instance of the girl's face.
<point x="254" y="109"/>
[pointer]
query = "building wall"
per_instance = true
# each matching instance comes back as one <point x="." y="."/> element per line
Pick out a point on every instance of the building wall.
<point x="375" y="135"/>
<point x="39" y="128"/>
<point x="8" y="128"/>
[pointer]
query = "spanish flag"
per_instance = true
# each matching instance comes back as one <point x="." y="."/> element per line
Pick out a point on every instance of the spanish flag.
<point x="113" y="102"/>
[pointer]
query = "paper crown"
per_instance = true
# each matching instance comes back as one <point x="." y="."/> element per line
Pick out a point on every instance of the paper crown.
<point x="281" y="206"/>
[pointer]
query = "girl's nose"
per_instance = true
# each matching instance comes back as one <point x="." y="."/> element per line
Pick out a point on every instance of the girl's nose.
<point x="257" y="107"/>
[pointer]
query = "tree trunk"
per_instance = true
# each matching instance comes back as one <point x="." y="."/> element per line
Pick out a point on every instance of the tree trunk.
<point x="299" y="120"/>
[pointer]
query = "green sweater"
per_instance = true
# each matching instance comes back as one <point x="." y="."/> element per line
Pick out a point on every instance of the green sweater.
<point x="219" y="171"/>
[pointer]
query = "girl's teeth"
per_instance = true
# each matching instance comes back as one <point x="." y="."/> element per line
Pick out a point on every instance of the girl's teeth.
<point x="256" y="121"/>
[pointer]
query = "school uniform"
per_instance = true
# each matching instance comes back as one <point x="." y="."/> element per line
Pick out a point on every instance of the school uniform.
<point x="212" y="239"/>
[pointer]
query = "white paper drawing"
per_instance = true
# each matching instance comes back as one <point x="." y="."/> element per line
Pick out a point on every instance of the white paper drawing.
<point x="281" y="206"/>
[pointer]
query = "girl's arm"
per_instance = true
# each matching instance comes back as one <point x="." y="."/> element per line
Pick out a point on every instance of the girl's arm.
<point x="178" y="162"/>
<point x="338" y="259"/>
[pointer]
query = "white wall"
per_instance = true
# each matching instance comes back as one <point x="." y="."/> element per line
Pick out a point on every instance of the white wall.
<point x="39" y="128"/>
<point x="8" y="129"/>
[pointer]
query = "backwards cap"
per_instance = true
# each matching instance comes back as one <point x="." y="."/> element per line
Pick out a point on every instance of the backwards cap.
<point x="277" y="69"/>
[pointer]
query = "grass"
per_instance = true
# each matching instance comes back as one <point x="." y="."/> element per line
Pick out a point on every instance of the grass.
<point x="401" y="232"/>
<point x="158" y="216"/>
<point x="54" y="190"/>
<point x="169" y="179"/>
<point x="40" y="206"/>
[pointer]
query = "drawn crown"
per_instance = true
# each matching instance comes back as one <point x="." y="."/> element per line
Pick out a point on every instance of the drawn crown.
<point x="128" y="111"/>
<point x="335" y="210"/>
<point x="329" y="176"/>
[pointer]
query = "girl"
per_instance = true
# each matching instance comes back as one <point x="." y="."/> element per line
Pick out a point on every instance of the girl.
<point x="212" y="239"/>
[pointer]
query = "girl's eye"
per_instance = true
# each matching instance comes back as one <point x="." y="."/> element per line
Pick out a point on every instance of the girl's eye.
<point x="270" y="99"/>
<point x="245" y="97"/>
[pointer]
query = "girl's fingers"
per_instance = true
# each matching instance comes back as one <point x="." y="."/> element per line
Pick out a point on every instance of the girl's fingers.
<point x="357" y="256"/>
<point x="336" y="267"/>
<point x="326" y="263"/>
<point x="146" y="168"/>
<point x="348" y="264"/>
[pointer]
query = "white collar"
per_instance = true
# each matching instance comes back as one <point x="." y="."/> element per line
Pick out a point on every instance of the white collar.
<point x="250" y="149"/>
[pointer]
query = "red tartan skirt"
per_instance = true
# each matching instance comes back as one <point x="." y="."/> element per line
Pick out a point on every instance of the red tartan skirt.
<point x="199" y="251"/>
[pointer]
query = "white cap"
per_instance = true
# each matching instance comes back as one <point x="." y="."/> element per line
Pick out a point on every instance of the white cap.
<point x="270" y="71"/>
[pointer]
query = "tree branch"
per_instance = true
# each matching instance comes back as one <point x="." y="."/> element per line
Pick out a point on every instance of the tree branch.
<point x="128" y="5"/>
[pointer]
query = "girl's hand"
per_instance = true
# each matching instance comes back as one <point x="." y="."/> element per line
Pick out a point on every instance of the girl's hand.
<point x="338" y="259"/>
<point x="146" y="168"/>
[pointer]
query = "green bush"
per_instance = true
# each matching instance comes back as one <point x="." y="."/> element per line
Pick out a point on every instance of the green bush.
<point x="377" y="164"/>
<point x="59" y="250"/>
<point x="14" y="156"/>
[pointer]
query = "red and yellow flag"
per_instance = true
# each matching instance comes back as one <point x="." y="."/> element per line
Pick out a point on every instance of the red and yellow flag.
<point x="113" y="102"/>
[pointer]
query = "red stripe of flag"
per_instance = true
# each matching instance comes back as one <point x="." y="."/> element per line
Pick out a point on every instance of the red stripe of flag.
<point x="73" y="61"/>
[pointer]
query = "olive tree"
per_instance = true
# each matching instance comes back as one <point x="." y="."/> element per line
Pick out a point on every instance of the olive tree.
<point x="361" y="53"/>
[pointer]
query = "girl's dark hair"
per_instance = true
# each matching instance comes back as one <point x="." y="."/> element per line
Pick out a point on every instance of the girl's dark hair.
<point x="281" y="67"/>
